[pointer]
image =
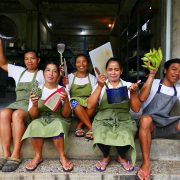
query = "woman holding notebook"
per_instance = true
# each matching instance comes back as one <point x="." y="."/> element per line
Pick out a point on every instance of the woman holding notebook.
<point x="50" y="118"/>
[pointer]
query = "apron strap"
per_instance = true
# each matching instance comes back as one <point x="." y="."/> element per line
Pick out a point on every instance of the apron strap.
<point x="21" y="75"/>
<point x="121" y="82"/>
<point x="159" y="88"/>
<point x="74" y="78"/>
<point x="175" y="91"/>
<point x="160" y="85"/>
<point x="35" y="74"/>
<point x="89" y="81"/>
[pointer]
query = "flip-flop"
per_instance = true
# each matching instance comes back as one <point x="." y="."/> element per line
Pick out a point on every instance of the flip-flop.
<point x="67" y="169"/>
<point x="128" y="166"/>
<point x="143" y="175"/>
<point x="79" y="132"/>
<point x="2" y="162"/>
<point x="89" y="135"/>
<point x="102" y="166"/>
<point x="34" y="166"/>
<point x="11" y="165"/>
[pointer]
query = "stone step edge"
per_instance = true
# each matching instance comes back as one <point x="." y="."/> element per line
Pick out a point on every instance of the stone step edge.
<point x="85" y="169"/>
<point x="161" y="149"/>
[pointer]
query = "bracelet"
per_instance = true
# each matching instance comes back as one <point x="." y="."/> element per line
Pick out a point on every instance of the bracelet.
<point x="152" y="75"/>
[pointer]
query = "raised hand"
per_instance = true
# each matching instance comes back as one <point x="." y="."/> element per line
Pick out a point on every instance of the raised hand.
<point x="65" y="80"/>
<point x="101" y="80"/>
<point x="61" y="67"/>
<point x="134" y="87"/>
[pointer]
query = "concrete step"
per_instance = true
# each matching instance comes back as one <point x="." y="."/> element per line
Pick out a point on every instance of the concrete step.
<point x="85" y="170"/>
<point x="80" y="148"/>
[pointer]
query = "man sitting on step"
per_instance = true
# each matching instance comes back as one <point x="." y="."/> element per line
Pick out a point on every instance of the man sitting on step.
<point x="159" y="97"/>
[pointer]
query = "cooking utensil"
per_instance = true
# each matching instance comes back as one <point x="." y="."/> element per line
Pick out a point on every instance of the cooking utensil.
<point x="117" y="95"/>
<point x="60" y="49"/>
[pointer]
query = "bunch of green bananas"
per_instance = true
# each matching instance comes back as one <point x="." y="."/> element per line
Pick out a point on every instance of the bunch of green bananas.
<point x="152" y="59"/>
<point x="36" y="90"/>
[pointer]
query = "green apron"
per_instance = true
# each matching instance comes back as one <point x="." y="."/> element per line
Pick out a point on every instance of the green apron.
<point x="22" y="93"/>
<point x="48" y="124"/>
<point x="114" y="126"/>
<point x="80" y="92"/>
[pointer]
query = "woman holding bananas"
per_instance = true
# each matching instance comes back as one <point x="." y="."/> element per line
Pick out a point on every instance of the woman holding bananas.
<point x="158" y="97"/>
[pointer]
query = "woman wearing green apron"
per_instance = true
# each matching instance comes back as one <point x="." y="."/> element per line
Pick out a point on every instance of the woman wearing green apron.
<point x="13" y="117"/>
<point x="49" y="124"/>
<point x="80" y="85"/>
<point x="113" y="124"/>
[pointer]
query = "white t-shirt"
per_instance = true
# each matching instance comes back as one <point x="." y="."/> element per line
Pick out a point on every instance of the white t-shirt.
<point x="124" y="83"/>
<point x="45" y="93"/>
<point x="164" y="89"/>
<point x="82" y="81"/>
<point x="16" y="71"/>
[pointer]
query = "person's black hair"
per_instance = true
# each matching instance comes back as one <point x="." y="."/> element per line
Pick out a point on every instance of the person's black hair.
<point x="83" y="55"/>
<point x="35" y="52"/>
<point x="116" y="59"/>
<point x="52" y="62"/>
<point x="168" y="63"/>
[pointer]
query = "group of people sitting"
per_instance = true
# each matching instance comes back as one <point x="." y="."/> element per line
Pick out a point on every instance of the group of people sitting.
<point x="85" y="96"/>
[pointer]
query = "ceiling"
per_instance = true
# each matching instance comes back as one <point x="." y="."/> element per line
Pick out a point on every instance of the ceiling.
<point x="70" y="17"/>
<point x="80" y="18"/>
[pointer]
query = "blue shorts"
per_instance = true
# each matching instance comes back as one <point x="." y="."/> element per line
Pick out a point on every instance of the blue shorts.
<point x="61" y="135"/>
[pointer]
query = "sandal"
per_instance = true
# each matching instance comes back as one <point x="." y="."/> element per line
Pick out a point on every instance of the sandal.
<point x="31" y="166"/>
<point x="89" y="135"/>
<point x="2" y="162"/>
<point x="143" y="174"/>
<point x="11" y="165"/>
<point x="128" y="166"/>
<point x="101" y="166"/>
<point x="79" y="132"/>
<point x="67" y="167"/>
